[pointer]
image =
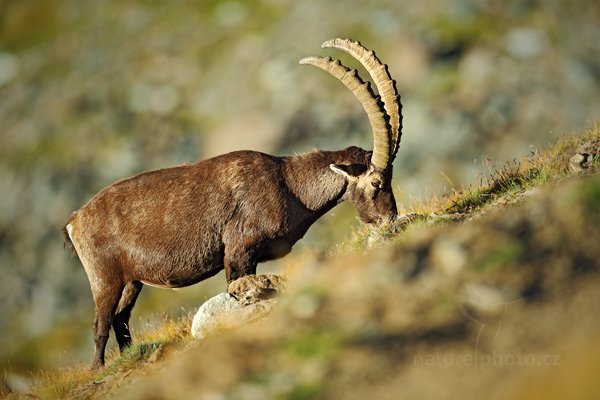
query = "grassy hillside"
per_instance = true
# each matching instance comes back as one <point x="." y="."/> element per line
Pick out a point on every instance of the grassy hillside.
<point x="488" y="292"/>
<point x="95" y="91"/>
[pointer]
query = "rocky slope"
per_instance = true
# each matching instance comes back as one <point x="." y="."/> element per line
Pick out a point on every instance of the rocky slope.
<point x="492" y="296"/>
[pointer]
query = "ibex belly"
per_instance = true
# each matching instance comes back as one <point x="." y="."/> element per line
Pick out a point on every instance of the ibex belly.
<point x="171" y="271"/>
<point x="179" y="280"/>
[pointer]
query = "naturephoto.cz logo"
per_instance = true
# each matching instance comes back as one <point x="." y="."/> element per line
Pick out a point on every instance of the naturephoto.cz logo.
<point x="475" y="301"/>
<point x="494" y="359"/>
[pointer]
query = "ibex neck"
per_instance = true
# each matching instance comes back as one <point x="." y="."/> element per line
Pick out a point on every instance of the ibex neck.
<point x="310" y="179"/>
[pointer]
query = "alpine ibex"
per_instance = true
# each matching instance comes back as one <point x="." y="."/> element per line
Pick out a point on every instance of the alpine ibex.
<point x="177" y="226"/>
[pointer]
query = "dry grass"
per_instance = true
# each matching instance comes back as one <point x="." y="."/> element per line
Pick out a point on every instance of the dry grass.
<point x="150" y="345"/>
<point x="171" y="330"/>
<point x="60" y="384"/>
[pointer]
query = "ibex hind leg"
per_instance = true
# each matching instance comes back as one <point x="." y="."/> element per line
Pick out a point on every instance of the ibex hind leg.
<point x="106" y="298"/>
<point x="120" y="323"/>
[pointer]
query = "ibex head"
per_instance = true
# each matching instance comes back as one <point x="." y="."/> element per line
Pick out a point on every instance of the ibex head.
<point x="369" y="184"/>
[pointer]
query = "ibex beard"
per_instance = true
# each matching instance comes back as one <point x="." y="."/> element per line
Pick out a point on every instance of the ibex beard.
<point x="177" y="226"/>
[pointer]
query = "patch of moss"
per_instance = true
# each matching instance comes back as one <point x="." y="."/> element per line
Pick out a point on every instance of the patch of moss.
<point x="507" y="252"/>
<point x="314" y="344"/>
<point x="304" y="392"/>
<point x="590" y="194"/>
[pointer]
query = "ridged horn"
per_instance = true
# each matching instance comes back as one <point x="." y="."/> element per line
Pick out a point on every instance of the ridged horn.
<point x="386" y="86"/>
<point x="370" y="102"/>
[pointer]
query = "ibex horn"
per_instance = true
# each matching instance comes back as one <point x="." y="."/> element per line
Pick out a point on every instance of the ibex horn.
<point x="386" y="86"/>
<point x="370" y="102"/>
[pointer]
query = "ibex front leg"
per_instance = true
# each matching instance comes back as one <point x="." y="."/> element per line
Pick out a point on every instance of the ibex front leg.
<point x="239" y="262"/>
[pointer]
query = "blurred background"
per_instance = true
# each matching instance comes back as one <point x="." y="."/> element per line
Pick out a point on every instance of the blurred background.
<point x="91" y="92"/>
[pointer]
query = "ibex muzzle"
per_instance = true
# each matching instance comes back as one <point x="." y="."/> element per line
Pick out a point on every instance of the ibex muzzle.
<point x="178" y="226"/>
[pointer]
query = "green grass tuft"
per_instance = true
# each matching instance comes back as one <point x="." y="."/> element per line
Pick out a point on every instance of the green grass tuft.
<point x="501" y="256"/>
<point x="304" y="392"/>
<point x="591" y="196"/>
<point x="471" y="200"/>
<point x="314" y="344"/>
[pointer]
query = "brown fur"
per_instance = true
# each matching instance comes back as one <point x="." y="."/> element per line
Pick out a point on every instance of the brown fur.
<point x="177" y="226"/>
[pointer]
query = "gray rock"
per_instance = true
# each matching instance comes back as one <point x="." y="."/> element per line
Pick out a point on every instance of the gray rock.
<point x="252" y="301"/>
<point x="487" y="300"/>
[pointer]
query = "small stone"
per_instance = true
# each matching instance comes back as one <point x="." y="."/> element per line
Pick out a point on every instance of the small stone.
<point x="577" y="163"/>
<point x="525" y="42"/>
<point x="486" y="300"/>
<point x="449" y="255"/>
<point x="591" y="147"/>
<point x="304" y="306"/>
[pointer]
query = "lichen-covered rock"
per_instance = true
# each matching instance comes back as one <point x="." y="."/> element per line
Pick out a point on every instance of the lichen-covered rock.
<point x="250" y="298"/>
<point x="253" y="288"/>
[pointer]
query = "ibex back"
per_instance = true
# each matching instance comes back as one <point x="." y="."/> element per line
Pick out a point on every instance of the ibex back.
<point x="178" y="226"/>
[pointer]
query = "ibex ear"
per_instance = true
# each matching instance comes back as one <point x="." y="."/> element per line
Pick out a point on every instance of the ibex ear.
<point x="348" y="170"/>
